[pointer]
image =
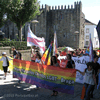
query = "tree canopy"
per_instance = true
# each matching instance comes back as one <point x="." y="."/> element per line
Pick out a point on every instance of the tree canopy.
<point x="3" y="4"/>
<point x="21" y="11"/>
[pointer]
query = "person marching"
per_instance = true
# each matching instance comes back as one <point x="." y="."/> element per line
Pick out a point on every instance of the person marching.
<point x="89" y="80"/>
<point x="5" y="65"/>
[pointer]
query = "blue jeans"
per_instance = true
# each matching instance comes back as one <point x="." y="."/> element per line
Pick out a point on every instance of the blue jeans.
<point x="88" y="88"/>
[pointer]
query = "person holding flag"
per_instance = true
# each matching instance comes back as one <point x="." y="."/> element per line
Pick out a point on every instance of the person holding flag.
<point x="33" y="40"/>
<point x="96" y="66"/>
<point x="55" y="44"/>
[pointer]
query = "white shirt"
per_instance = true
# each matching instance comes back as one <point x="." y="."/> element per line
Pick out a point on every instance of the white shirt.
<point x="4" y="61"/>
<point x="88" y="78"/>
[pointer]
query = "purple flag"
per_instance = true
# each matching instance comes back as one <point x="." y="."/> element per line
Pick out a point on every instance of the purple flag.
<point x="90" y="49"/>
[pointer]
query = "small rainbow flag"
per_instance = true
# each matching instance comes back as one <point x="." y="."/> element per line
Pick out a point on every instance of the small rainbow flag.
<point x="44" y="76"/>
<point x="47" y="55"/>
<point x="87" y="51"/>
<point x="44" y="57"/>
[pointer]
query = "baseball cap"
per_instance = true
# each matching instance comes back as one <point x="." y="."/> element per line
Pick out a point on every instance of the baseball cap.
<point x="4" y="53"/>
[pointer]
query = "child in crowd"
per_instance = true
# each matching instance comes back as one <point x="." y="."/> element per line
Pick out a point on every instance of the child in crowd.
<point x="38" y="58"/>
<point x="5" y="65"/>
<point x="90" y="79"/>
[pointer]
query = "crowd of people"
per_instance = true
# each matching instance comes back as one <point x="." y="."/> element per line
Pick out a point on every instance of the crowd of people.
<point x="90" y="73"/>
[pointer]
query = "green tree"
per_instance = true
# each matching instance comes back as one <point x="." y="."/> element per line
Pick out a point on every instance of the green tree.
<point x="3" y="4"/>
<point x="22" y="11"/>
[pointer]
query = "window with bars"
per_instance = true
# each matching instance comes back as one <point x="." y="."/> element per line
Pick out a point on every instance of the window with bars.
<point x="87" y="43"/>
<point x="87" y="30"/>
<point x="87" y="36"/>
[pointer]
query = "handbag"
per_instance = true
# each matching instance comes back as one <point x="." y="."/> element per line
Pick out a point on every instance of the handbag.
<point x="7" y="61"/>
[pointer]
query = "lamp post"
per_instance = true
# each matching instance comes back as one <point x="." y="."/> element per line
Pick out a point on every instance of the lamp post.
<point x="76" y="32"/>
<point x="34" y="21"/>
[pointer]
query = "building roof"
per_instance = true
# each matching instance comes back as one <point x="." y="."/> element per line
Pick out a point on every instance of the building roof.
<point x="87" y="22"/>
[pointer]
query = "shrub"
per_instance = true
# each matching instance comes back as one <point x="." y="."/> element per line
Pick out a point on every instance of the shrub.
<point x="17" y="44"/>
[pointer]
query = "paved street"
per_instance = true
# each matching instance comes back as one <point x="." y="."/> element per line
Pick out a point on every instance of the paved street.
<point x="10" y="90"/>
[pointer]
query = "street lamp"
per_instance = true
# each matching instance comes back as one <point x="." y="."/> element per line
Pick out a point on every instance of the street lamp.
<point x="76" y="32"/>
<point x="34" y="21"/>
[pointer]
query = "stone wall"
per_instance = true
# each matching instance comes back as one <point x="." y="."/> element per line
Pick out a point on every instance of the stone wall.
<point x="65" y="20"/>
<point x="26" y="54"/>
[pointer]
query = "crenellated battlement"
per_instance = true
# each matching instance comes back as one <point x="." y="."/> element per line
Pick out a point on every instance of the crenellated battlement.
<point x="62" y="7"/>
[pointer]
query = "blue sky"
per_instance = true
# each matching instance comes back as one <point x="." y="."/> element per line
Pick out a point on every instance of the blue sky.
<point x="89" y="7"/>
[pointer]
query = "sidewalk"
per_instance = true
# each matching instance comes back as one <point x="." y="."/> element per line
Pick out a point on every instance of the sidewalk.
<point x="9" y="90"/>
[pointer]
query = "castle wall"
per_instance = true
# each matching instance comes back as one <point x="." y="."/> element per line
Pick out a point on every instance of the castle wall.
<point x="66" y="21"/>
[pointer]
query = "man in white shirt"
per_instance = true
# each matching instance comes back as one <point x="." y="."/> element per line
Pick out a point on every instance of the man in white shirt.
<point x="5" y="64"/>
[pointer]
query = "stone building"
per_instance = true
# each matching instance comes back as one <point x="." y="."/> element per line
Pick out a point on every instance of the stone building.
<point x="68" y="23"/>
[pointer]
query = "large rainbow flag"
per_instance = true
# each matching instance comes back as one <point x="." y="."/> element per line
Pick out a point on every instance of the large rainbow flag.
<point x="44" y="76"/>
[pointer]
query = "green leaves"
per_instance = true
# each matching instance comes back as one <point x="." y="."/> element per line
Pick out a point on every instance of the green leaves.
<point x="19" y="11"/>
<point x="22" y="11"/>
<point x="2" y="11"/>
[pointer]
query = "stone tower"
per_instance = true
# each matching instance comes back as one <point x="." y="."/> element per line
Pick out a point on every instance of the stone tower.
<point x="68" y="23"/>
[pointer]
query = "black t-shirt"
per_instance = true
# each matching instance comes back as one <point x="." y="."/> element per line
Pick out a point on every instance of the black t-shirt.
<point x="96" y="66"/>
<point x="69" y="64"/>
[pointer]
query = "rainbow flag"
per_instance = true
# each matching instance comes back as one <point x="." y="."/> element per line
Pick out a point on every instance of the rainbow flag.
<point x="44" y="76"/>
<point x="87" y="51"/>
<point x="47" y="54"/>
<point x="44" y="57"/>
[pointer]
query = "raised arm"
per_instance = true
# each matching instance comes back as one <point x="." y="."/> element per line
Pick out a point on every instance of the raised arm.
<point x="9" y="58"/>
<point x="83" y="73"/>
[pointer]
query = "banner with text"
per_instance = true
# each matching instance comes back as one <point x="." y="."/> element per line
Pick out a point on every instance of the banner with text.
<point x="44" y="76"/>
<point x="80" y="64"/>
